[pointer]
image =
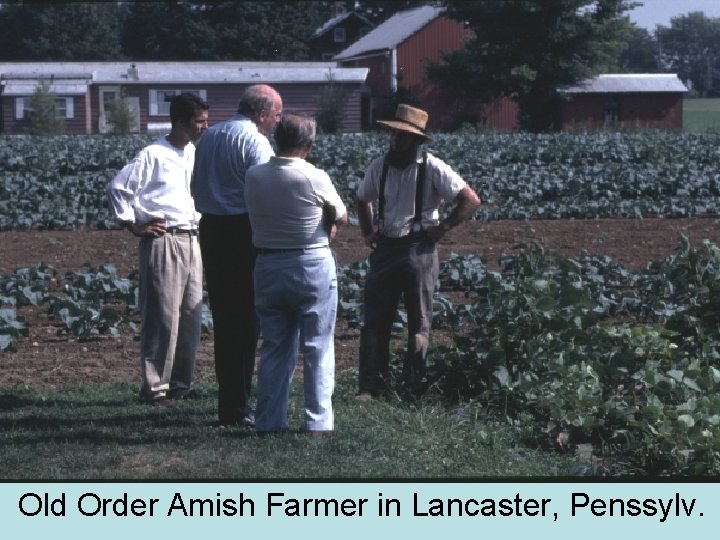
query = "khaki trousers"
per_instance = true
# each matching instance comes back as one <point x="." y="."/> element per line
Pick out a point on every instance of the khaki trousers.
<point x="170" y="303"/>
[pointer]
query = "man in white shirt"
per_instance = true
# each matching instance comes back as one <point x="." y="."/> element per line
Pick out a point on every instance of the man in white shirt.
<point x="151" y="198"/>
<point x="293" y="208"/>
<point x="409" y="185"/>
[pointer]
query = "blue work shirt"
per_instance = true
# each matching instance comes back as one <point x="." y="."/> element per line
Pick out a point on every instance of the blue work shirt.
<point x="223" y="154"/>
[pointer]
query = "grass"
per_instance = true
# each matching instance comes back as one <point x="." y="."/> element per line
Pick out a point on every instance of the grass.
<point x="701" y="114"/>
<point x="103" y="433"/>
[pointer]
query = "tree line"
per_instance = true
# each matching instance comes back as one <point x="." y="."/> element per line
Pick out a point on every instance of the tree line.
<point x="178" y="30"/>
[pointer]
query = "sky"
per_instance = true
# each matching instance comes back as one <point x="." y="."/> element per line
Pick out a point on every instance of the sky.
<point x="654" y="12"/>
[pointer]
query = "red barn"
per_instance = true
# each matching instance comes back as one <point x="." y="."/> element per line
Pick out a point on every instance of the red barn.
<point x="625" y="101"/>
<point x="397" y="52"/>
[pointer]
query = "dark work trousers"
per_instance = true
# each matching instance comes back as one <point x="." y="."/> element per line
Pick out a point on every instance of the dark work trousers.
<point x="397" y="267"/>
<point x="229" y="258"/>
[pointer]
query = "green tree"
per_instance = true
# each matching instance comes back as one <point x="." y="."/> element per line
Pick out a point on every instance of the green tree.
<point x="377" y="11"/>
<point x="330" y="107"/>
<point x="272" y="31"/>
<point x="121" y="117"/>
<point x="640" y="53"/>
<point x="691" y="48"/>
<point x="526" y="49"/>
<point x="44" y="118"/>
<point x="166" y="31"/>
<point x="60" y="31"/>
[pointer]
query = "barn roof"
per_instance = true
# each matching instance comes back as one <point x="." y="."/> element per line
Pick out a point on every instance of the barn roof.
<point x="627" y="83"/>
<point x="74" y="77"/>
<point x="392" y="32"/>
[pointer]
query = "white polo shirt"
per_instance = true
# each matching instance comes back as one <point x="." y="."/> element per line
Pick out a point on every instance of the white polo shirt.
<point x="285" y="199"/>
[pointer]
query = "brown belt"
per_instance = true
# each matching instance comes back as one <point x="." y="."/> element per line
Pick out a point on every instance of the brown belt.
<point x="176" y="230"/>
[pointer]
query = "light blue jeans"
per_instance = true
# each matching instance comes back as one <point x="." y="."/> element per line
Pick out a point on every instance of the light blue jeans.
<point x="296" y="302"/>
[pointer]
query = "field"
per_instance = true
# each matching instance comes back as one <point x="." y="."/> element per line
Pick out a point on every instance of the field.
<point x="48" y="357"/>
<point x="576" y="316"/>
<point x="701" y="114"/>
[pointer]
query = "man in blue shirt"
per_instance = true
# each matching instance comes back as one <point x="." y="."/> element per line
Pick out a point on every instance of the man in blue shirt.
<point x="223" y="156"/>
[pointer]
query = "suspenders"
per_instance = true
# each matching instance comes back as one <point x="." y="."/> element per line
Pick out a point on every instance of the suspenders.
<point x="419" y="183"/>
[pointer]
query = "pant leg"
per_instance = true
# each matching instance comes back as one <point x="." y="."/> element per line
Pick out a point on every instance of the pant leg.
<point x="190" y="321"/>
<point x="420" y="282"/>
<point x="317" y="337"/>
<point x="228" y="257"/>
<point x="159" y="298"/>
<point x="381" y="298"/>
<point x="276" y="308"/>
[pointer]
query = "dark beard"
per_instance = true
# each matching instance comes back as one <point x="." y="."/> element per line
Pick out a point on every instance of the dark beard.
<point x="400" y="160"/>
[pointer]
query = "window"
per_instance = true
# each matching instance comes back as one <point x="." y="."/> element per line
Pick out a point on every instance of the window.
<point x="160" y="100"/>
<point x="611" y="110"/>
<point x="108" y="98"/>
<point x="339" y="35"/>
<point x="64" y="107"/>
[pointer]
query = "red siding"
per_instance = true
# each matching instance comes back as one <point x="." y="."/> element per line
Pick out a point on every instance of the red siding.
<point x="429" y="44"/>
<point x="222" y="98"/>
<point x="378" y="80"/>
<point x="650" y="110"/>
<point x="74" y="125"/>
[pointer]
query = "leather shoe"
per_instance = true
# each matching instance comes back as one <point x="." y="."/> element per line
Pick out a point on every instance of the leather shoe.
<point x="179" y="395"/>
<point x="163" y="401"/>
<point x="246" y="420"/>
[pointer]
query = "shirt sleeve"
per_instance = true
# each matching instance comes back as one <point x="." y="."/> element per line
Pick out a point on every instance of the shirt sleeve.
<point x="447" y="182"/>
<point x="329" y="195"/>
<point x="368" y="190"/>
<point x="123" y="189"/>
<point x="259" y="151"/>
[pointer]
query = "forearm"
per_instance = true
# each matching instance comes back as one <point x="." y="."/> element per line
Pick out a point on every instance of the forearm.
<point x="365" y="217"/>
<point x="466" y="204"/>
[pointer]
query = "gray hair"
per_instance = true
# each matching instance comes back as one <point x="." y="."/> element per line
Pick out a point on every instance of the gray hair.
<point x="295" y="132"/>
<point x="256" y="99"/>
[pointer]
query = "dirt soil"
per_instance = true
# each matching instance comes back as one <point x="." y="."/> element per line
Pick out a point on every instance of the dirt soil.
<point x="48" y="358"/>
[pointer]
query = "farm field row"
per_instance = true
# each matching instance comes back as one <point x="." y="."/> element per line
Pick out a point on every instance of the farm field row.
<point x="59" y="183"/>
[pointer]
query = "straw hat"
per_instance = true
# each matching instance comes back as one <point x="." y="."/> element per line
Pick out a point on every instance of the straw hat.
<point x="408" y="119"/>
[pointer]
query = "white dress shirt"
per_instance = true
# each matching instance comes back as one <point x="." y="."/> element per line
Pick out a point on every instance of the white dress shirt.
<point x="156" y="185"/>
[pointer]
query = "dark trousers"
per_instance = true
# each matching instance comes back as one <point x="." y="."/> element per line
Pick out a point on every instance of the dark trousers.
<point x="229" y="257"/>
<point x="397" y="268"/>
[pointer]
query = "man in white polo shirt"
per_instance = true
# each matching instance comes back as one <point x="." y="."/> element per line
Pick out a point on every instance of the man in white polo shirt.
<point x="293" y="209"/>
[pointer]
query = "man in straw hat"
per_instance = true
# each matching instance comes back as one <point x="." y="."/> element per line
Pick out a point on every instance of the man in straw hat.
<point x="409" y="185"/>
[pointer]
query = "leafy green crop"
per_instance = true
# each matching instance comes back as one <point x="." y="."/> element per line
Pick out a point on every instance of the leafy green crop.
<point x="597" y="354"/>
<point x="59" y="182"/>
